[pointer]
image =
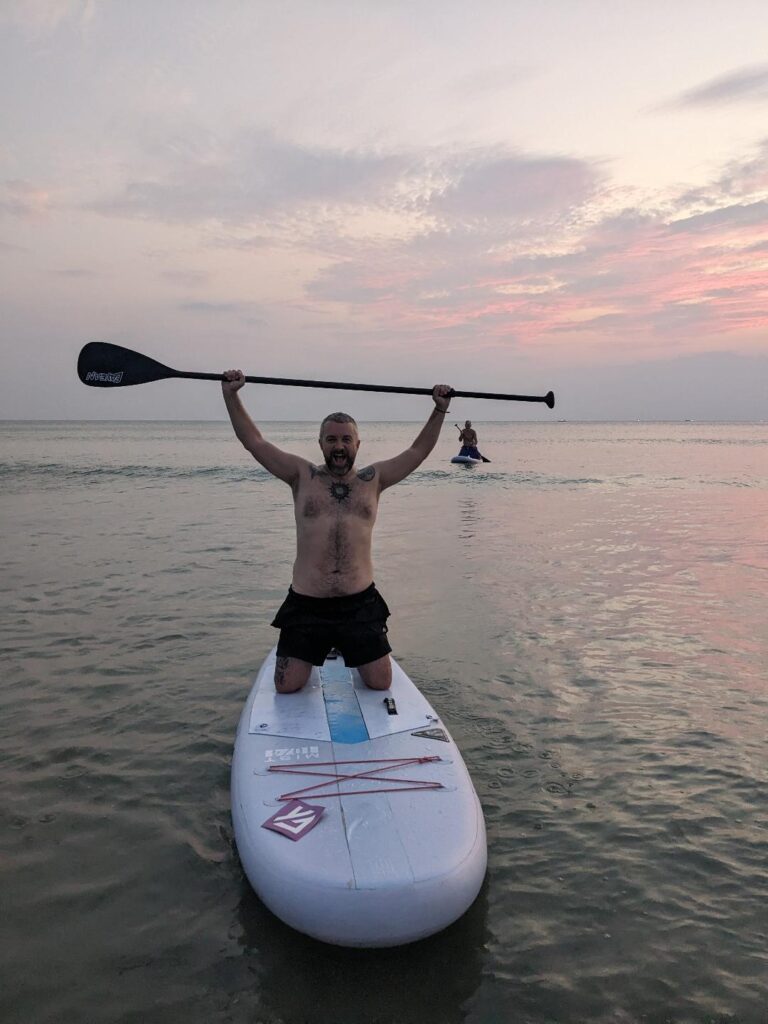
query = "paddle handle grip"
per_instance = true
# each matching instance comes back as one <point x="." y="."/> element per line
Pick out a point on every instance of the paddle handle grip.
<point x="548" y="399"/>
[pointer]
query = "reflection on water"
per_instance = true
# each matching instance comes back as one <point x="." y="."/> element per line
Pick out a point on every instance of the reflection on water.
<point x="469" y="519"/>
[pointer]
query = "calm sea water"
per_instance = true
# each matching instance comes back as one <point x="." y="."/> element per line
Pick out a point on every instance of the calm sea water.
<point x="587" y="612"/>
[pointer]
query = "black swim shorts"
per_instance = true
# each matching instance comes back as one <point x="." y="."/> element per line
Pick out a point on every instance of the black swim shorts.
<point x="355" y="624"/>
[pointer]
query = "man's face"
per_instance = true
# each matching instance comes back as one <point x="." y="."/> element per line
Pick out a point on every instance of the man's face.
<point x="339" y="443"/>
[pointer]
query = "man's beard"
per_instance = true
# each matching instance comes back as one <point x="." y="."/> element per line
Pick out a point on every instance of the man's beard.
<point x="339" y="468"/>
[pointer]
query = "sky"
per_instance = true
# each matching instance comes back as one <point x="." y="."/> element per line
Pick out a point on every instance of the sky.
<point x="501" y="195"/>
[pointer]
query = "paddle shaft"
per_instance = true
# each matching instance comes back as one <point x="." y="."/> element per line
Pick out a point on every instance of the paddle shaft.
<point x="392" y="389"/>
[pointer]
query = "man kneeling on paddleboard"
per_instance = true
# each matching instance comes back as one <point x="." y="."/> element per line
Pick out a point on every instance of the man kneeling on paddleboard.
<point x="468" y="438"/>
<point x="332" y="601"/>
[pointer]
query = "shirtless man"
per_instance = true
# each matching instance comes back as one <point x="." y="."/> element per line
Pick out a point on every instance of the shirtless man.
<point x="468" y="438"/>
<point x="332" y="601"/>
<point x="467" y="435"/>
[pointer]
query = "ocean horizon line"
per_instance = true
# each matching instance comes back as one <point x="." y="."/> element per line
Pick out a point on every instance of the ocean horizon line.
<point x="546" y="422"/>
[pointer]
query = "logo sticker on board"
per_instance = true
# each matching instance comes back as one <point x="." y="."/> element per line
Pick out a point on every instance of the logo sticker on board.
<point x="295" y="819"/>
<point x="432" y="734"/>
<point x="290" y="753"/>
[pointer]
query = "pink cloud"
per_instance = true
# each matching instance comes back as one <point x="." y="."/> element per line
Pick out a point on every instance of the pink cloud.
<point x="633" y="280"/>
<point x="498" y="248"/>
<point x="25" y="200"/>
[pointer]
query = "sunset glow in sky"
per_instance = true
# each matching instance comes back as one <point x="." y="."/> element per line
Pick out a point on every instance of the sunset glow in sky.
<point x="501" y="195"/>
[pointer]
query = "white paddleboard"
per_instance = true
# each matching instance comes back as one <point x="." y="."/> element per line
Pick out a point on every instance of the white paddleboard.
<point x="466" y="460"/>
<point x="394" y="856"/>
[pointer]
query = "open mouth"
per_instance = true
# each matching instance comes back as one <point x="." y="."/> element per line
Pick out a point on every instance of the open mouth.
<point x="338" y="462"/>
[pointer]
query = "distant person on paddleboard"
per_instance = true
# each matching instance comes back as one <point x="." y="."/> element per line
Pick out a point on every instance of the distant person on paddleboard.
<point x="332" y="601"/>
<point x="468" y="438"/>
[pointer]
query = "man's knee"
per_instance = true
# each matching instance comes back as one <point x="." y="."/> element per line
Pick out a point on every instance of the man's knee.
<point x="291" y="674"/>
<point x="377" y="675"/>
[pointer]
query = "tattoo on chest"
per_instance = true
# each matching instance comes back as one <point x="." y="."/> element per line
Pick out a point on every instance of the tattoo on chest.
<point x="339" y="491"/>
<point x="346" y="498"/>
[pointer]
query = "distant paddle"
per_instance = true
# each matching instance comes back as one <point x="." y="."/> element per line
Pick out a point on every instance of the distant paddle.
<point x="101" y="365"/>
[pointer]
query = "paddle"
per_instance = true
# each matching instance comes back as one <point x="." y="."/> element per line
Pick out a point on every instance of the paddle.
<point x="101" y="365"/>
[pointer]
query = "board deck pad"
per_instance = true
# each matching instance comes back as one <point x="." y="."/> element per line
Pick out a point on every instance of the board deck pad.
<point x="333" y="698"/>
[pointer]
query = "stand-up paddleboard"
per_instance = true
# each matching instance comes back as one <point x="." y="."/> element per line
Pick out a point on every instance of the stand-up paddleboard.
<point x="355" y="817"/>
<point x="466" y="460"/>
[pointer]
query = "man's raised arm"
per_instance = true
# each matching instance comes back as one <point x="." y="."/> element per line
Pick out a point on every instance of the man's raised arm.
<point x="281" y="464"/>
<point x="392" y="471"/>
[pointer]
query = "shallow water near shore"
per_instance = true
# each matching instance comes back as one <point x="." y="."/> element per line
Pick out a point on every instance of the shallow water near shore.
<point x="587" y="613"/>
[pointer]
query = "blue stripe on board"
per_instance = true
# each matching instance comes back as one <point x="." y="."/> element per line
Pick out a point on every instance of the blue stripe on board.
<point x="345" y="719"/>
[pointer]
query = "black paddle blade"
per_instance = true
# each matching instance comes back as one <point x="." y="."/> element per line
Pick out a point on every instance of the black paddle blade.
<point x="101" y="365"/>
<point x="549" y="398"/>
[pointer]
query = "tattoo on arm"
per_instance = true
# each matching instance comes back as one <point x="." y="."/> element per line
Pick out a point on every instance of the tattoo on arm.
<point x="366" y="474"/>
<point x="280" y="666"/>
